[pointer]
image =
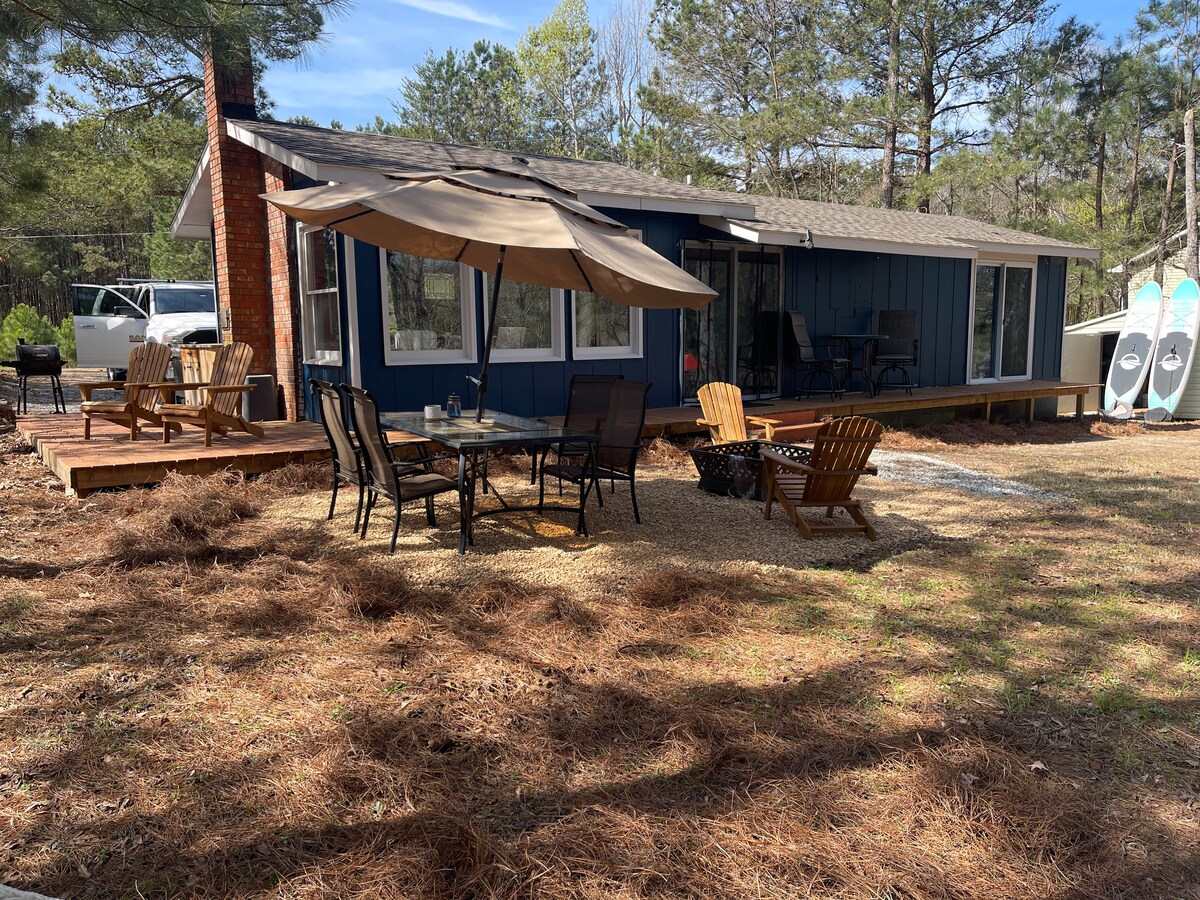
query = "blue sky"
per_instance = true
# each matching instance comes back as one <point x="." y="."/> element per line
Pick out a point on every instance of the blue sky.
<point x="371" y="47"/>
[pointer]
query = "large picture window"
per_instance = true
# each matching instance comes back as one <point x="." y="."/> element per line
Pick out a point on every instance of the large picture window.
<point x="602" y="329"/>
<point x="321" y="330"/>
<point x="529" y="321"/>
<point x="428" y="313"/>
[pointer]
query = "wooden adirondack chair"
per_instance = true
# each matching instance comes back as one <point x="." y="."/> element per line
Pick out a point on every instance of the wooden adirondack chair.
<point x="221" y="410"/>
<point x="147" y="367"/>
<point x="839" y="456"/>
<point x="725" y="416"/>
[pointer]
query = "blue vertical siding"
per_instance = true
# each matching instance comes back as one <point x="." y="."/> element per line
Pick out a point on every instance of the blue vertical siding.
<point x="840" y="290"/>
<point x="1049" y="317"/>
<point x="837" y="290"/>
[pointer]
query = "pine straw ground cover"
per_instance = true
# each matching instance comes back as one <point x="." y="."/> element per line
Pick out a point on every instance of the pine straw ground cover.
<point x="207" y="690"/>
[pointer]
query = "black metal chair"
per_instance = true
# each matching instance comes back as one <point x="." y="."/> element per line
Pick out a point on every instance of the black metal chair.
<point x="587" y="405"/>
<point x="347" y="456"/>
<point x="617" y="451"/>
<point x="895" y="352"/>
<point x="397" y="481"/>
<point x="813" y="364"/>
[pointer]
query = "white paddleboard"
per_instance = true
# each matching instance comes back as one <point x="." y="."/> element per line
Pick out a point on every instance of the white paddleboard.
<point x="1174" y="352"/>
<point x="1135" y="350"/>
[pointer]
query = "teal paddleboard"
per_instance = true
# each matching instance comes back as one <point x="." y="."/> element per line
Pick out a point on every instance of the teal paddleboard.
<point x="1135" y="350"/>
<point x="1174" y="352"/>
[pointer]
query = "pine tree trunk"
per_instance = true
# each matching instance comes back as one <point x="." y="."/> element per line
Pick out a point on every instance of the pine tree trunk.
<point x="1192" y="257"/>
<point x="925" y="125"/>
<point x="887" y="192"/>
<point x="1164" y="222"/>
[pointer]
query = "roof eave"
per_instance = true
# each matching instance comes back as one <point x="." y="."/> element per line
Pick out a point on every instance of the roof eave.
<point x="795" y="237"/>
<point x="193" y="218"/>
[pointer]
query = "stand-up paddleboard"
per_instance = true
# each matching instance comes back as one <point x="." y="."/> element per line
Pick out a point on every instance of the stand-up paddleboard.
<point x="1174" y="352"/>
<point x="1135" y="350"/>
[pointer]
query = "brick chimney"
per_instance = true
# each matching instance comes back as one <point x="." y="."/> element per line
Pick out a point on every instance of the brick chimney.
<point x="254" y="263"/>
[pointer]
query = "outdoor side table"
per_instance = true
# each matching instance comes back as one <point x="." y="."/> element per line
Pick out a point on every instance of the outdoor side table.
<point x="473" y="440"/>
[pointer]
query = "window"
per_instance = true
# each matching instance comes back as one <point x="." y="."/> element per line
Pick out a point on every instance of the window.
<point x="428" y="310"/>
<point x="529" y="321"/>
<point x="602" y="329"/>
<point x="319" y="314"/>
<point x="1002" y="322"/>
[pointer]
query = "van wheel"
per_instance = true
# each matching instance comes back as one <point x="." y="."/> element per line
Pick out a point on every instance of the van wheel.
<point x="117" y="374"/>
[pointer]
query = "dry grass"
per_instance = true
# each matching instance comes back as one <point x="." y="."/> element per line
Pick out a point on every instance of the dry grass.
<point x="207" y="690"/>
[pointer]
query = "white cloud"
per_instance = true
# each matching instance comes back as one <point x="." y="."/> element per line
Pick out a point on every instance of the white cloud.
<point x="454" y="10"/>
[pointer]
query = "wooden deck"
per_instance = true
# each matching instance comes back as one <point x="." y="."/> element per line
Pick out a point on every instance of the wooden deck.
<point x="682" y="419"/>
<point x="110" y="459"/>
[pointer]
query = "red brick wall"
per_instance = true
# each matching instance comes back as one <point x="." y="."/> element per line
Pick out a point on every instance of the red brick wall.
<point x="285" y="293"/>
<point x="246" y="261"/>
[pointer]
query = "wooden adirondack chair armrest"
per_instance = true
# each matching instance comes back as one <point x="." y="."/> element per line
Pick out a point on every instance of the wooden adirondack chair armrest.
<point x="786" y="462"/>
<point x="179" y="385"/>
<point x="707" y="423"/>
<point x="803" y="433"/>
<point x="225" y="388"/>
<point x="86" y="387"/>
<point x="760" y="420"/>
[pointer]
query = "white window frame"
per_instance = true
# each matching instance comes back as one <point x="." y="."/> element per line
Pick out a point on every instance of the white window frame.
<point x="1004" y="265"/>
<point x="316" y="357"/>
<point x="633" y="350"/>
<point x="554" y="353"/>
<point x="466" y="299"/>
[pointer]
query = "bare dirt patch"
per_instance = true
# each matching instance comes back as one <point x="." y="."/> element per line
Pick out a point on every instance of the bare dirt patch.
<point x="208" y="690"/>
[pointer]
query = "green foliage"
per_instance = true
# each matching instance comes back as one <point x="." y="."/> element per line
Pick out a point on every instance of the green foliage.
<point x="464" y="97"/>
<point x="66" y="340"/>
<point x="24" y="322"/>
<point x="566" y="83"/>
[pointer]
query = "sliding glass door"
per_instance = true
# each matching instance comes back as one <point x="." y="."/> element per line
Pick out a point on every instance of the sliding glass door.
<point x="1002" y="322"/>
<point x="736" y="338"/>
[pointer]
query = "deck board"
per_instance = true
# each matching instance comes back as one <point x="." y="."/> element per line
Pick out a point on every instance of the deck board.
<point x="682" y="419"/>
<point x="110" y="459"/>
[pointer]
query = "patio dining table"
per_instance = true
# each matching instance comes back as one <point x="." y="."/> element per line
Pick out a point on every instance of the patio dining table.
<point x="474" y="440"/>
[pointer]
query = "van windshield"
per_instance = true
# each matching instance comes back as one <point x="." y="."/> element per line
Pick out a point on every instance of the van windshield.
<point x="184" y="300"/>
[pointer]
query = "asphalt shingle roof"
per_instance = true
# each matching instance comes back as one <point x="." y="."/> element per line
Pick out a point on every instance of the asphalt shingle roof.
<point x="325" y="146"/>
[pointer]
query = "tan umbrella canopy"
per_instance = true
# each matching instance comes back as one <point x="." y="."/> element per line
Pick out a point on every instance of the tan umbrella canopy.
<point x="507" y="222"/>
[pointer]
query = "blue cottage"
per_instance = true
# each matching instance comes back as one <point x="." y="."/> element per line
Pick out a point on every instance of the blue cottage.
<point x="989" y="301"/>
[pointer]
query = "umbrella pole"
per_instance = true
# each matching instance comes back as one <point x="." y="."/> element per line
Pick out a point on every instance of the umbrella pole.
<point x="482" y="381"/>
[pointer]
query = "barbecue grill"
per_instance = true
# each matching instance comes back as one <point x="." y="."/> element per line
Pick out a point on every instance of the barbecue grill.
<point x="37" y="360"/>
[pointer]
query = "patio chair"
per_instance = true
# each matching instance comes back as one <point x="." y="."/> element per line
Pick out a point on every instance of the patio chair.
<point x="396" y="481"/>
<point x="839" y="456"/>
<point x="221" y="410"/>
<point x="814" y="363"/>
<point x="347" y="456"/>
<point x="587" y="405"/>
<point x="725" y="417"/>
<point x="896" y="351"/>
<point x="147" y="367"/>
<point x="617" y="451"/>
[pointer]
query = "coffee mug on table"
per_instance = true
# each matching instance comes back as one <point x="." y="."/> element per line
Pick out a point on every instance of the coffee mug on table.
<point x="433" y="411"/>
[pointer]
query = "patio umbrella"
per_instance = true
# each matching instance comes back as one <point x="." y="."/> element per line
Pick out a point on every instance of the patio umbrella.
<point x="506" y="222"/>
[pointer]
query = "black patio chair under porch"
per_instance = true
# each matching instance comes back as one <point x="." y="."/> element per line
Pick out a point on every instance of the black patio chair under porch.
<point x="897" y="351"/>
<point x="813" y="363"/>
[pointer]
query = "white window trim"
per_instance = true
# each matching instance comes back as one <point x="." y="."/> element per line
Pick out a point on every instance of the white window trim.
<point x="633" y="350"/>
<point x="554" y="353"/>
<point x="318" y="357"/>
<point x="1004" y="265"/>
<point x="466" y="300"/>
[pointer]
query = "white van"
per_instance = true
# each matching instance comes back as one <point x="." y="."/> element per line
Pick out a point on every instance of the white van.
<point x="109" y="319"/>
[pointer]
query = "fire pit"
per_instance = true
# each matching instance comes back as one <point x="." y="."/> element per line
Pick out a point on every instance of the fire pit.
<point x="34" y="360"/>
<point x="736" y="470"/>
